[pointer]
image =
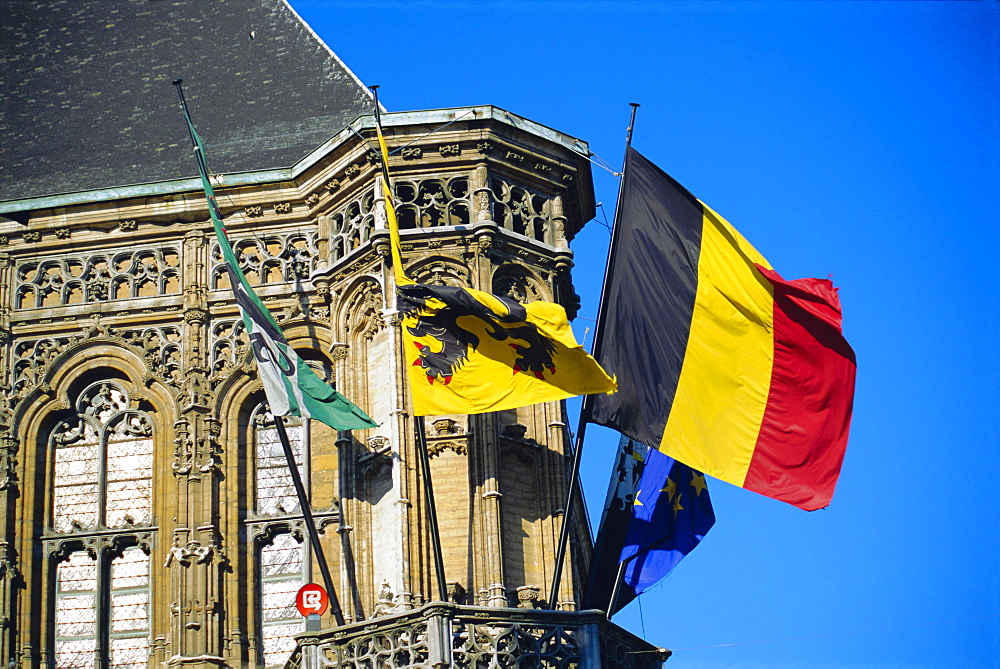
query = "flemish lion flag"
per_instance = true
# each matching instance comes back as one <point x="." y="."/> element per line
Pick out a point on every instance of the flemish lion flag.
<point x="471" y="352"/>
<point x="291" y="386"/>
<point x="721" y="363"/>
<point x="468" y="351"/>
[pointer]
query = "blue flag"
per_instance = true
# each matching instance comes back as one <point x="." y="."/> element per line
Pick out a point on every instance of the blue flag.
<point x="657" y="511"/>
<point x="671" y="514"/>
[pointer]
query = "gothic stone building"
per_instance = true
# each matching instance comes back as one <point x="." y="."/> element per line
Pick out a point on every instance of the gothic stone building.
<point x="146" y="516"/>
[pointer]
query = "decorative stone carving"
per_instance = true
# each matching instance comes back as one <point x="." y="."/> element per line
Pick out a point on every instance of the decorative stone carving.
<point x="456" y="593"/>
<point x="253" y="211"/>
<point x="445" y="426"/>
<point x="161" y="348"/>
<point x="282" y="207"/>
<point x="81" y="279"/>
<point x="385" y="604"/>
<point x="363" y="311"/>
<point x="527" y="596"/>
<point x="435" y="448"/>
<point x="128" y="226"/>
<point x="190" y="553"/>
<point x="269" y="259"/>
<point x="450" y="150"/>
<point x="521" y="210"/>
<point x="432" y="202"/>
<point x="411" y="152"/>
<point x="514" y="431"/>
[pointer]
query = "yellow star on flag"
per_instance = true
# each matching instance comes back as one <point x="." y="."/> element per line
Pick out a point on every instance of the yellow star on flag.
<point x="698" y="482"/>
<point x="670" y="488"/>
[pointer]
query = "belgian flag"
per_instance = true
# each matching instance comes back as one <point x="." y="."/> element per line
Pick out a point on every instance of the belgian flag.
<point x="721" y="363"/>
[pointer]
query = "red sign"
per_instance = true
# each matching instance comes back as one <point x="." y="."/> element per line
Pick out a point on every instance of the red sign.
<point x="311" y="598"/>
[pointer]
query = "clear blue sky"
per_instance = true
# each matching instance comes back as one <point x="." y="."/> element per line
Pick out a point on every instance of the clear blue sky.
<point x="858" y="139"/>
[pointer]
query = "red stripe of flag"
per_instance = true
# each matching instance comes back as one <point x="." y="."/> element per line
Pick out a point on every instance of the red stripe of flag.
<point x="803" y="435"/>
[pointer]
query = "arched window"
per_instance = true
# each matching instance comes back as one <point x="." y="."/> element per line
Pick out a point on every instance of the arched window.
<point x="283" y="555"/>
<point x="102" y="484"/>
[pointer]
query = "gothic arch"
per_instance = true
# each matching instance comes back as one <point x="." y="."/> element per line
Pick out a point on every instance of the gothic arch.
<point x="519" y="283"/>
<point x="441" y="271"/>
<point x="88" y="360"/>
<point x="360" y="309"/>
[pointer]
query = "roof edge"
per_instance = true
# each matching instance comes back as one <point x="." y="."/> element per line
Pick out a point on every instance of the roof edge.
<point x="365" y="122"/>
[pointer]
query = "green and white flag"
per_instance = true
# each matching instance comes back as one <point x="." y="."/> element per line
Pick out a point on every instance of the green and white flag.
<point x="291" y="386"/>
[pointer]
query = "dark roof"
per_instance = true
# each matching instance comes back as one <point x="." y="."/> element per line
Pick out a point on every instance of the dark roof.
<point x="86" y="101"/>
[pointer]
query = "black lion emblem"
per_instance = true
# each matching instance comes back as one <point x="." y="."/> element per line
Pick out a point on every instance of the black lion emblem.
<point x="534" y="349"/>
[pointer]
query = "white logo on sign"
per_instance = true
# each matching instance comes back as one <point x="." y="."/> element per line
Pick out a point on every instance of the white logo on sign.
<point x="312" y="599"/>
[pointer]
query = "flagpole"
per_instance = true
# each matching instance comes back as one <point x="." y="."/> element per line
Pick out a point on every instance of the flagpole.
<point x="618" y="584"/>
<point x="306" y="508"/>
<point x="586" y="409"/>
<point x="425" y="474"/>
<point x="418" y="423"/>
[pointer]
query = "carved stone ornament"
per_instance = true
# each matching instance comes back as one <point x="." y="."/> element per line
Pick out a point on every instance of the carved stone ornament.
<point x="191" y="553"/>
<point x="435" y="448"/>
<point x="515" y="431"/>
<point x="339" y="352"/>
<point x="445" y="426"/>
<point x="378" y="443"/>
<point x="527" y="596"/>
<point x="385" y="604"/>
<point x="456" y="593"/>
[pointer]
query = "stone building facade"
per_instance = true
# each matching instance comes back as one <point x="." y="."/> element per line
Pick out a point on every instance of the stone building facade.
<point x="146" y="515"/>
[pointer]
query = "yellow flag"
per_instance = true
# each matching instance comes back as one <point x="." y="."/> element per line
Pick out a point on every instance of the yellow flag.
<point x="470" y="352"/>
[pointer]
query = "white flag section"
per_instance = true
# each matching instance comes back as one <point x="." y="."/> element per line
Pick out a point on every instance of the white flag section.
<point x="291" y="386"/>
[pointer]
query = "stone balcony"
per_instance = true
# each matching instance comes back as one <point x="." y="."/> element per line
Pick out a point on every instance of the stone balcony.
<point x="447" y="635"/>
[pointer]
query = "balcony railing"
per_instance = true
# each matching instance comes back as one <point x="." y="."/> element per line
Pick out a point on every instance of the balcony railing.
<point x="446" y="635"/>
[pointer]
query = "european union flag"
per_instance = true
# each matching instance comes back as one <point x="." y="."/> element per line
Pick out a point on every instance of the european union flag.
<point x="670" y="514"/>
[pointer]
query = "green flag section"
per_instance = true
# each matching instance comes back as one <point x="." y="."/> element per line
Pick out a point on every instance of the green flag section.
<point x="291" y="386"/>
<point x="721" y="364"/>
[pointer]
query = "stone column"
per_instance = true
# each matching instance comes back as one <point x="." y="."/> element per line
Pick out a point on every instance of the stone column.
<point x="195" y="559"/>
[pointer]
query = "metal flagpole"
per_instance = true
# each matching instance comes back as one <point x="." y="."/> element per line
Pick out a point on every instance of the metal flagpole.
<point x="306" y="508"/>
<point x="425" y="474"/>
<point x="586" y="409"/>
<point x="622" y="566"/>
<point x="418" y="423"/>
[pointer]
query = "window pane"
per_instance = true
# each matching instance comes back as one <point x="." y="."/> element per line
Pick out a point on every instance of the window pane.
<point x="275" y="492"/>
<point x="129" y="653"/>
<point x="74" y="654"/>
<point x="130" y="591"/>
<point x="279" y="642"/>
<point x="130" y="485"/>
<point x="76" y="611"/>
<point x="281" y="577"/>
<point x="75" y="483"/>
